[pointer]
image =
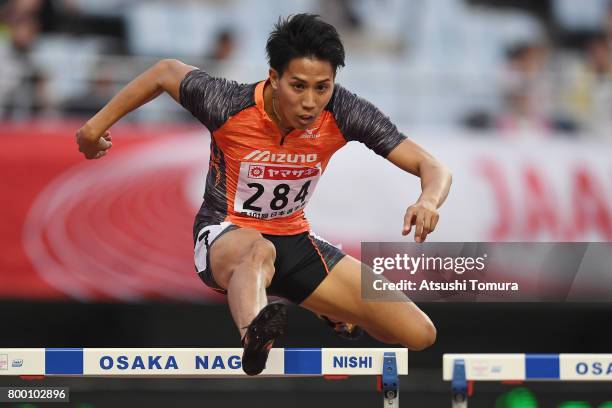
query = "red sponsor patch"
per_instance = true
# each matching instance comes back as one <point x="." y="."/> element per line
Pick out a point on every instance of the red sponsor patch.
<point x="281" y="173"/>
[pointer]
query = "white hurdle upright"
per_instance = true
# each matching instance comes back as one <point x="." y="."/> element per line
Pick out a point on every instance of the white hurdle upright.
<point x="463" y="369"/>
<point x="387" y="363"/>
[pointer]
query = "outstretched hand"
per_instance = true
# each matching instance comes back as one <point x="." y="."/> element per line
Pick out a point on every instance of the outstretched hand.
<point x="93" y="146"/>
<point x="424" y="216"/>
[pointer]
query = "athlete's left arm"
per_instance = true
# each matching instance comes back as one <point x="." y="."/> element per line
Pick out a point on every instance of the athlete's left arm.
<point x="435" y="184"/>
<point x="361" y="121"/>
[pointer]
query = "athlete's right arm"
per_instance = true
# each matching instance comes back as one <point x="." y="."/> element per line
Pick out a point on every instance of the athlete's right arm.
<point x="165" y="76"/>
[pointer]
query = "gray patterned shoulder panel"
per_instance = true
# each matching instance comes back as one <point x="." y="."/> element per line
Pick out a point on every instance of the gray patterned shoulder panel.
<point x="214" y="100"/>
<point x="360" y="120"/>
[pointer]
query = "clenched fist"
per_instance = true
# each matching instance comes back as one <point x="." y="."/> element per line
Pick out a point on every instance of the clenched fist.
<point x="91" y="145"/>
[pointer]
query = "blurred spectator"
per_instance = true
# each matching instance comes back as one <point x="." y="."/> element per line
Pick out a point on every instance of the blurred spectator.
<point x="22" y="84"/>
<point x="590" y="88"/>
<point x="526" y="92"/>
<point x="224" y="46"/>
<point x="609" y="26"/>
<point x="101" y="90"/>
<point x="341" y="13"/>
<point x="23" y="7"/>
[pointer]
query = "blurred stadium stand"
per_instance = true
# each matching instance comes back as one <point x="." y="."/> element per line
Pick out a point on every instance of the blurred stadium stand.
<point x="424" y="63"/>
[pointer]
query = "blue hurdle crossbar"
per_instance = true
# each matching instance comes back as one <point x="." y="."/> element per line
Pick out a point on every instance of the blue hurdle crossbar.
<point x="185" y="362"/>
<point x="464" y="368"/>
<point x="531" y="367"/>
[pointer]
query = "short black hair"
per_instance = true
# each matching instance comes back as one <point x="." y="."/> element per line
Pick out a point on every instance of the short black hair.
<point x="304" y="35"/>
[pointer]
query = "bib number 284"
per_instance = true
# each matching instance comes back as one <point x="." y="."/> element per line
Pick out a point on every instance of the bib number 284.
<point x="272" y="191"/>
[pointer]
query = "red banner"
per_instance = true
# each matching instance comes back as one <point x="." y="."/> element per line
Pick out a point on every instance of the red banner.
<point x="118" y="228"/>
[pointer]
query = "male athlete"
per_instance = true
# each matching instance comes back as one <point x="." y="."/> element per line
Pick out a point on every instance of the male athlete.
<point x="271" y="142"/>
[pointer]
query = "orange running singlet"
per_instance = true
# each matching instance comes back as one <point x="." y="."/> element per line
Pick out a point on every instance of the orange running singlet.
<point x="257" y="179"/>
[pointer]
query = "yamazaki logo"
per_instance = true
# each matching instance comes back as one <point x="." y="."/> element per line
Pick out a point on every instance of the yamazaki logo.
<point x="281" y="172"/>
<point x="527" y="204"/>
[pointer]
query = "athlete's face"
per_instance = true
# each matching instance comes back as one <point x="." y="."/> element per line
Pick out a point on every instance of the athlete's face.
<point x="303" y="91"/>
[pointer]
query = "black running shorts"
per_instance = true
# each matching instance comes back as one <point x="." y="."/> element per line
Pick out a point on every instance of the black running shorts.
<point x="302" y="261"/>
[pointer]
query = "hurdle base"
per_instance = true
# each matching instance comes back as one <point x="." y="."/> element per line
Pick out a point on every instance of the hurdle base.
<point x="335" y="377"/>
<point x="460" y="387"/>
<point x="390" y="381"/>
<point x="32" y="377"/>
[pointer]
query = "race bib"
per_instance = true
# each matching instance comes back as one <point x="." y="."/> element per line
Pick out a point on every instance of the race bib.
<point x="269" y="191"/>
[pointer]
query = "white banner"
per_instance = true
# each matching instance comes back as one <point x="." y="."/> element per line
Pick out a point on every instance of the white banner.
<point x="503" y="190"/>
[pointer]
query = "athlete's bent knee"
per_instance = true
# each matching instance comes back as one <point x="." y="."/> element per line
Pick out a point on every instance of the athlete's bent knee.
<point x="262" y="251"/>
<point x="260" y="258"/>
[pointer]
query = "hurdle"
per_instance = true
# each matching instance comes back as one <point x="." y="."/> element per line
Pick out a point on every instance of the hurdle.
<point x="464" y="369"/>
<point x="332" y="363"/>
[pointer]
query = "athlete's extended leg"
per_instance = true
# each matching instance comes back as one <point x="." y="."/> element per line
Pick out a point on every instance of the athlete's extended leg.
<point x="399" y="321"/>
<point x="242" y="262"/>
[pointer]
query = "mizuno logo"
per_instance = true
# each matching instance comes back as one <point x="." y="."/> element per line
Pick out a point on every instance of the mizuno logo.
<point x="267" y="156"/>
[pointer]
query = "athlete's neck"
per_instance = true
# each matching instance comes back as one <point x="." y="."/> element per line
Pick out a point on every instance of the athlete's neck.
<point x="272" y="109"/>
